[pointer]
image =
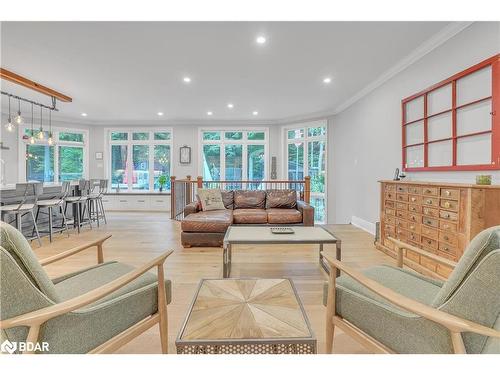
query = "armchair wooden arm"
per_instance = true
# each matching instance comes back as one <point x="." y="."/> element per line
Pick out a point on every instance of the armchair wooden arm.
<point x="453" y="323"/>
<point x="35" y="319"/>
<point x="400" y="246"/>
<point x="98" y="243"/>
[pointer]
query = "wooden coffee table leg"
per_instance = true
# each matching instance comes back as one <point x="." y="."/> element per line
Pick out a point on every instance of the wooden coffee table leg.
<point x="338" y="253"/>
<point x="226" y="261"/>
<point x="321" y="261"/>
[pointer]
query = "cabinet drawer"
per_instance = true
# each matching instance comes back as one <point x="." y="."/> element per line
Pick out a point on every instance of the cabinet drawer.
<point x="390" y="204"/>
<point x="401" y="206"/>
<point x="415" y="190"/>
<point x="401" y="234"/>
<point x="402" y="197"/>
<point x="450" y="249"/>
<point x="430" y="201"/>
<point x="402" y="214"/>
<point x="428" y="263"/>
<point x="390" y="195"/>
<point x="446" y="255"/>
<point x="160" y="203"/>
<point x="431" y="212"/>
<point x="433" y="191"/>
<point x="390" y="187"/>
<point x="429" y="232"/>
<point x="389" y="230"/>
<point x="415" y="199"/>
<point x="429" y="242"/>
<point x="414" y="227"/>
<point x="448" y="215"/>
<point x="444" y="271"/>
<point x="430" y="221"/>
<point x="449" y="238"/>
<point x="449" y="204"/>
<point x="414" y="208"/>
<point x="413" y="237"/>
<point x="450" y="193"/>
<point x="415" y="218"/>
<point x="413" y="256"/>
<point x="401" y="224"/>
<point x="390" y="220"/>
<point x="445" y="225"/>
<point x="390" y="211"/>
<point x="401" y="189"/>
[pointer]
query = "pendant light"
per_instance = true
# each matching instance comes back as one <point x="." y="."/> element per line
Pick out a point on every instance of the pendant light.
<point x="50" y="128"/>
<point x="9" y="126"/>
<point x="40" y="131"/>
<point x="32" y="138"/>
<point x="19" y="119"/>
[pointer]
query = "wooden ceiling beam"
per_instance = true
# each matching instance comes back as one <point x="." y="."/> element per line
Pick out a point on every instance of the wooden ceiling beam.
<point x="20" y="80"/>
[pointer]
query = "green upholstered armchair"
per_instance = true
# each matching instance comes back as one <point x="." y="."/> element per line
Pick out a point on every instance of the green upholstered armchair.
<point x="96" y="310"/>
<point x="394" y="310"/>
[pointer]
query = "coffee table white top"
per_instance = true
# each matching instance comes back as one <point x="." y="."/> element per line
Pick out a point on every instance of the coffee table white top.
<point x="258" y="234"/>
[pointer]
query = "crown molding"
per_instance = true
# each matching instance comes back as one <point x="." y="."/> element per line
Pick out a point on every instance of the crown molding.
<point x="429" y="45"/>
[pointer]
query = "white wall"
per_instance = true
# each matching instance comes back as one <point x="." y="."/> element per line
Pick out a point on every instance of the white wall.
<point x="365" y="139"/>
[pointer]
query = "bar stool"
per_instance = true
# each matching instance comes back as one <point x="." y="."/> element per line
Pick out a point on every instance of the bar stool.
<point x="77" y="201"/>
<point x="95" y="198"/>
<point x="50" y="204"/>
<point x="30" y="193"/>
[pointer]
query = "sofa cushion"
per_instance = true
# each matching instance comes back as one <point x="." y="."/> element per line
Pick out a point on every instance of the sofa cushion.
<point x="283" y="216"/>
<point x="249" y="199"/>
<point x="210" y="199"/>
<point x="228" y="199"/>
<point x="250" y="216"/>
<point x="281" y="198"/>
<point x="215" y="221"/>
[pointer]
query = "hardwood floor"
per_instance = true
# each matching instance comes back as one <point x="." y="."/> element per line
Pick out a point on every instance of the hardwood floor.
<point x="140" y="236"/>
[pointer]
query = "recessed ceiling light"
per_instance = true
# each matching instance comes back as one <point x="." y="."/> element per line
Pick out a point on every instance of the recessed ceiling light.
<point x="261" y="39"/>
<point x="230" y="105"/>
<point x="186" y="79"/>
<point x="327" y="80"/>
<point x="160" y="113"/>
<point x="210" y="113"/>
<point x="255" y="113"/>
<point x="84" y="114"/>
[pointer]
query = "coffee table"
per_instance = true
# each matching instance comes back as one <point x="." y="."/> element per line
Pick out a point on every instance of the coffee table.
<point x="246" y="316"/>
<point x="262" y="235"/>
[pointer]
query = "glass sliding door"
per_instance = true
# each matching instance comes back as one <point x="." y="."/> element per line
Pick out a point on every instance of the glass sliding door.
<point x="70" y="163"/>
<point x="119" y="157"/>
<point x="40" y="163"/>
<point x="306" y="156"/>
<point x="140" y="171"/>
<point x="211" y="162"/>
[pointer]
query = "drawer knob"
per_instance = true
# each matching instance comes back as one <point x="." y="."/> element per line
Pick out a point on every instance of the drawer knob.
<point x="427" y="191"/>
<point x="447" y="192"/>
<point x="429" y="242"/>
<point x="412" y="226"/>
<point x="446" y="238"/>
<point x="447" y="204"/>
<point x="413" y="199"/>
<point x="447" y="248"/>
<point x="428" y="201"/>
<point x="447" y="215"/>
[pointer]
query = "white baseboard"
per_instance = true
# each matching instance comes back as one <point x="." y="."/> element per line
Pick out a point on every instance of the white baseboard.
<point x="363" y="224"/>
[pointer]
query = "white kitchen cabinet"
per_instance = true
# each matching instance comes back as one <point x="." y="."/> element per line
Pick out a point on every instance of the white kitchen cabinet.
<point x="137" y="202"/>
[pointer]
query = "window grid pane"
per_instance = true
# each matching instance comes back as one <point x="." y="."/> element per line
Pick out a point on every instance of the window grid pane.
<point x="142" y="136"/>
<point x="40" y="163"/>
<point x="70" y="163"/>
<point x="211" y="162"/>
<point x="140" y="171"/>
<point x="161" y="165"/>
<point x="119" y="157"/>
<point x="119" y="136"/>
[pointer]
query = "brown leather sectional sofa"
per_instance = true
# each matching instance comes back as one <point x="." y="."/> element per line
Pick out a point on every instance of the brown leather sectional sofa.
<point x="257" y="207"/>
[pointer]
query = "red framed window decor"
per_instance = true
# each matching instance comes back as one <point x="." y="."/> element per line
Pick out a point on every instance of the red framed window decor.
<point x="454" y="124"/>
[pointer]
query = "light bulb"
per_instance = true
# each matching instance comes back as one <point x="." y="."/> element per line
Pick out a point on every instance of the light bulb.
<point x="50" y="140"/>
<point x="9" y="125"/>
<point x="40" y="134"/>
<point x="32" y="140"/>
<point x="19" y="120"/>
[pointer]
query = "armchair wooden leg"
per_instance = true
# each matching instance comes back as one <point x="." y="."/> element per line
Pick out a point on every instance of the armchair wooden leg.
<point x="162" y="310"/>
<point x="330" y="310"/>
<point x="32" y="338"/>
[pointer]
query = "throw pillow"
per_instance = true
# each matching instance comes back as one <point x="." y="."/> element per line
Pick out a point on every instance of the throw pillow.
<point x="211" y="199"/>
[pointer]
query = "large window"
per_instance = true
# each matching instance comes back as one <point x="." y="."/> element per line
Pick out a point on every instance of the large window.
<point x="63" y="160"/>
<point x="234" y="155"/>
<point x="306" y="156"/>
<point x="137" y="159"/>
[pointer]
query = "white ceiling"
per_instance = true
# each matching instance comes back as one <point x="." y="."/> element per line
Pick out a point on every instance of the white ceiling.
<point x="128" y="71"/>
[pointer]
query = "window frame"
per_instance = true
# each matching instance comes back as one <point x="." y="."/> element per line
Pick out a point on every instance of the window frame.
<point x="306" y="139"/>
<point x="129" y="142"/>
<point x="245" y="142"/>
<point x="22" y="143"/>
<point x="494" y="62"/>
